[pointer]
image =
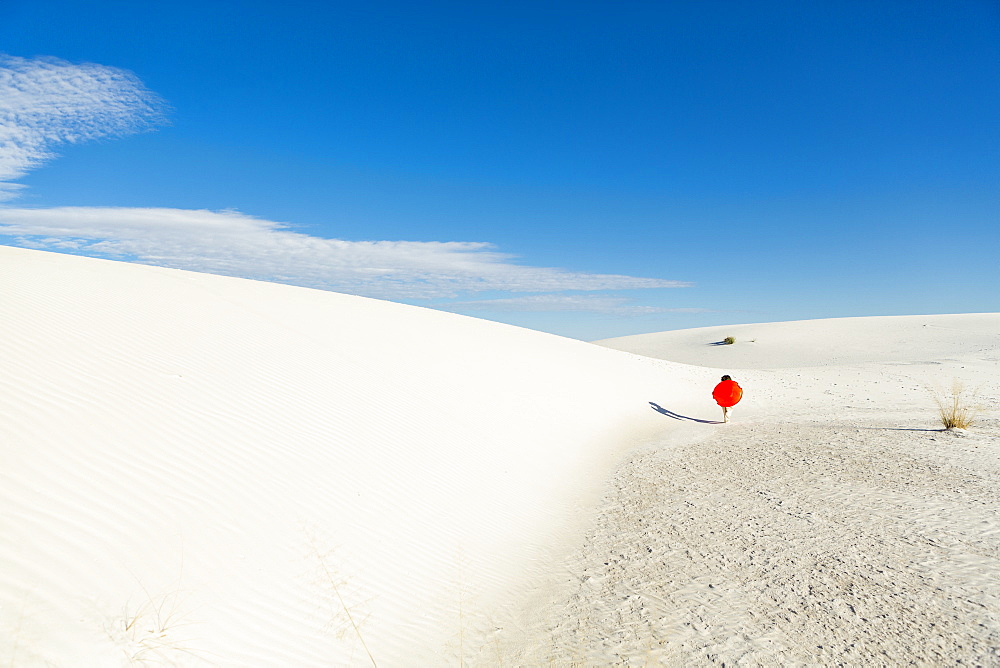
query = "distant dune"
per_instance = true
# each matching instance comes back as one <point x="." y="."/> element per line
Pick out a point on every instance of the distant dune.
<point x="884" y="339"/>
<point x="200" y="470"/>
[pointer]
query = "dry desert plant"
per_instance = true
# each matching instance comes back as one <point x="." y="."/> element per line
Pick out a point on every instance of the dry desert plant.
<point x="148" y="631"/>
<point x="729" y="340"/>
<point x="153" y="632"/>
<point x="328" y="575"/>
<point x="957" y="410"/>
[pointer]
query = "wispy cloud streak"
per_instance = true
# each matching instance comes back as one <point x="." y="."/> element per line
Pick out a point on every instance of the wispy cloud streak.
<point x="46" y="101"/>
<point x="604" y="304"/>
<point x="235" y="244"/>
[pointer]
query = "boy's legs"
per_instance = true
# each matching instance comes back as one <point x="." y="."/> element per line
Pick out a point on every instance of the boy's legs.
<point x="725" y="414"/>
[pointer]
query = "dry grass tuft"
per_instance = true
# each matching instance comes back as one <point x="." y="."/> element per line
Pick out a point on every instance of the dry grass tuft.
<point x="956" y="409"/>
<point x="729" y="340"/>
<point x="149" y="632"/>
<point x="343" y="612"/>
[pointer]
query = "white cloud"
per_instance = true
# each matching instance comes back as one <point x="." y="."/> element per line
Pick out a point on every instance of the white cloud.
<point x="605" y="304"/>
<point x="46" y="101"/>
<point x="235" y="244"/>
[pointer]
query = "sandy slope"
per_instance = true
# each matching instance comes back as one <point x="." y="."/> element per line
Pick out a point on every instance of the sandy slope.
<point x="257" y="474"/>
<point x="200" y="470"/>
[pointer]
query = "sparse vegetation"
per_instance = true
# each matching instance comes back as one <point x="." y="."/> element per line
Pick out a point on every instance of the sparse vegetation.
<point x="148" y="632"/>
<point x="729" y="340"/>
<point x="957" y="410"/>
<point x="329" y="576"/>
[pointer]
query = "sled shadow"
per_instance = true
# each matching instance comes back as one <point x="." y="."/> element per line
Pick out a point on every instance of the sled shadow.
<point x="660" y="409"/>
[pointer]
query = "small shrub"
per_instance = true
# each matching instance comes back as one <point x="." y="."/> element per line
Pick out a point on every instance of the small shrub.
<point x="955" y="410"/>
<point x="729" y="340"/>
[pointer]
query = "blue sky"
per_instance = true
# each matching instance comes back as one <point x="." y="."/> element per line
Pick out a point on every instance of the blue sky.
<point x="592" y="169"/>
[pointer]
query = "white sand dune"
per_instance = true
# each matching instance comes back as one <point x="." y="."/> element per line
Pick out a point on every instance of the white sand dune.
<point x="199" y="470"/>
<point x="270" y="475"/>
<point x="826" y="342"/>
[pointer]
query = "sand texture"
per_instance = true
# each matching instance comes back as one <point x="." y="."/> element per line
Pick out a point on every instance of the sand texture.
<point x="206" y="471"/>
<point x="789" y="544"/>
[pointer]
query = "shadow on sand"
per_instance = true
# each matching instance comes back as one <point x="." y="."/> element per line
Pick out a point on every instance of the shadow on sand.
<point x="660" y="409"/>
<point x="902" y="429"/>
<point x="677" y="416"/>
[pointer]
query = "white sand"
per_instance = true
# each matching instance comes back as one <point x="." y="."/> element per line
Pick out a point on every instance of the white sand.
<point x="201" y="470"/>
<point x="924" y="339"/>
<point x="785" y="544"/>
<point x="254" y="469"/>
<point x="833" y="523"/>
